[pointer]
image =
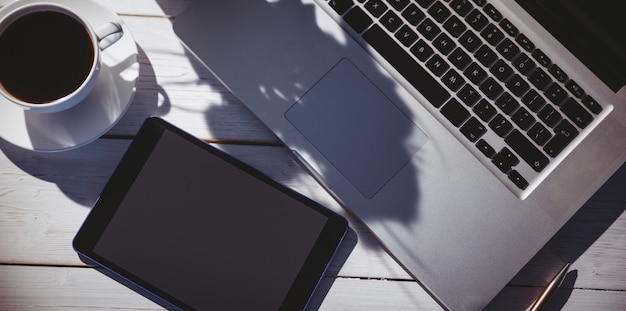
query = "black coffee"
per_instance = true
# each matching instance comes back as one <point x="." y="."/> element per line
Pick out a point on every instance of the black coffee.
<point x="44" y="56"/>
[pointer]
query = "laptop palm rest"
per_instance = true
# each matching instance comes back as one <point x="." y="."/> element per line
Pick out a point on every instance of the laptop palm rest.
<point x="356" y="128"/>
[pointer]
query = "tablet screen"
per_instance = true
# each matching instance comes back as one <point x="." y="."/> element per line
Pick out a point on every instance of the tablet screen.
<point x="206" y="234"/>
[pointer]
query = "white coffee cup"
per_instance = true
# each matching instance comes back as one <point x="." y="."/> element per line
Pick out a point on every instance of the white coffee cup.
<point x="50" y="56"/>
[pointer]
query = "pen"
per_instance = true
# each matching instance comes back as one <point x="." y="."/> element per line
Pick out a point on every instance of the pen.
<point x="547" y="293"/>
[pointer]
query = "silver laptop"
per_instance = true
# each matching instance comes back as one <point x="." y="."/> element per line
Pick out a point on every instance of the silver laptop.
<point x="463" y="133"/>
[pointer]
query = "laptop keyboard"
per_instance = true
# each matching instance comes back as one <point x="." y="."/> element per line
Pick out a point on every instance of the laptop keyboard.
<point x="508" y="100"/>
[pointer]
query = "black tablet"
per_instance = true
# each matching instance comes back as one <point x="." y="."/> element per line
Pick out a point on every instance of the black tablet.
<point x="191" y="227"/>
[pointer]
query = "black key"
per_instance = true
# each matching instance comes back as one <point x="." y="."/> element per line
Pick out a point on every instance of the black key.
<point x="439" y="12"/>
<point x="575" y="112"/>
<point x="492" y="34"/>
<point x="398" y="4"/>
<point x="459" y="59"/>
<point x="461" y="7"/>
<point x="507" y="103"/>
<point x="518" y="180"/>
<point x="437" y="65"/>
<point x="485" y="110"/>
<point x="453" y="80"/>
<point x="539" y="134"/>
<point x="406" y="35"/>
<point x="391" y="21"/>
<point x="358" y="19"/>
<point x="422" y="50"/>
<point x="505" y="160"/>
<point x="533" y="100"/>
<point x="565" y="132"/>
<point x="556" y="94"/>
<point x="476" y="20"/>
<point x="444" y="44"/>
<point x="501" y="70"/>
<point x="454" y="26"/>
<point x="473" y="129"/>
<point x="406" y="66"/>
<point x="341" y="6"/>
<point x="491" y="88"/>
<point x="413" y="14"/>
<point x="524" y="64"/>
<point x="485" y="148"/>
<point x="539" y="78"/>
<point x="492" y="12"/>
<point x="575" y="89"/>
<point x="558" y="73"/>
<point x="517" y="85"/>
<point x="376" y="7"/>
<point x="486" y="56"/>
<point x="475" y="73"/>
<point x="425" y="3"/>
<point x="507" y="49"/>
<point x="455" y="112"/>
<point x="428" y="29"/>
<point x="541" y="58"/>
<point x="470" y="41"/>
<point x="500" y="125"/>
<point x="468" y="95"/>
<point x="480" y="2"/>
<point x="549" y="116"/>
<point x="592" y="104"/>
<point x="527" y="150"/>
<point x="509" y="28"/>
<point x="525" y="43"/>
<point x="523" y="118"/>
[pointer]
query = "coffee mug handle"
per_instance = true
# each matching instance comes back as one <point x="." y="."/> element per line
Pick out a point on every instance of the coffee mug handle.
<point x="108" y="34"/>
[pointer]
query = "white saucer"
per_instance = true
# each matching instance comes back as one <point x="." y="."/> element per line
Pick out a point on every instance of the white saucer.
<point x="95" y="115"/>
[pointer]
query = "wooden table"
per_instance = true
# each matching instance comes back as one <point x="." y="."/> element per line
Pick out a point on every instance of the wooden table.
<point x="44" y="198"/>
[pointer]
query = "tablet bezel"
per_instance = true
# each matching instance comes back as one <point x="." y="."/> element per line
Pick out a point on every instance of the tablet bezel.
<point x="120" y="183"/>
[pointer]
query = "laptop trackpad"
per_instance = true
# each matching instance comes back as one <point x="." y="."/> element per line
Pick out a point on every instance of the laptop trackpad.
<point x="356" y="127"/>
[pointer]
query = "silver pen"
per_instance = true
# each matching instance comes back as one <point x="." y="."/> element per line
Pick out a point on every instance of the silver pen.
<point x="547" y="293"/>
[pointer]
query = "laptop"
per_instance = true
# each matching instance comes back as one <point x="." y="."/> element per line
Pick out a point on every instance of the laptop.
<point x="464" y="134"/>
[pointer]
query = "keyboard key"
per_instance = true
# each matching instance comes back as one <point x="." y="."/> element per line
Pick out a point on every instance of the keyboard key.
<point x="486" y="56"/>
<point x="549" y="116"/>
<point x="406" y="36"/>
<point x="505" y="160"/>
<point x="453" y="80"/>
<point x="507" y="49"/>
<point x="439" y="12"/>
<point x="358" y="19"/>
<point x="492" y="12"/>
<point x="444" y="44"/>
<point x="556" y="94"/>
<point x="437" y="65"/>
<point x="468" y="95"/>
<point x="524" y="42"/>
<point x="341" y="6"/>
<point x="517" y="85"/>
<point x="541" y="58"/>
<point x="376" y="7"/>
<point x="565" y="133"/>
<point x="391" y="21"/>
<point x="592" y="104"/>
<point x="491" y="88"/>
<point x="507" y="103"/>
<point x="459" y="59"/>
<point x="461" y="7"/>
<point x="470" y="41"/>
<point x="533" y="100"/>
<point x="575" y="89"/>
<point x="539" y="78"/>
<point x="413" y="14"/>
<point x="485" y="110"/>
<point x="454" y="26"/>
<point x="398" y="4"/>
<point x="539" y="134"/>
<point x="485" y="148"/>
<point x="422" y="50"/>
<point x="558" y="73"/>
<point x="428" y="29"/>
<point x="492" y="34"/>
<point x="500" y="125"/>
<point x="473" y="129"/>
<point x="425" y="3"/>
<point x="412" y="71"/>
<point x="524" y="64"/>
<point x="509" y="28"/>
<point x="517" y="179"/>
<point x="475" y="73"/>
<point x="523" y="118"/>
<point x="575" y="112"/>
<point x="527" y="150"/>
<point x="476" y="20"/>
<point x="501" y="70"/>
<point x="455" y="112"/>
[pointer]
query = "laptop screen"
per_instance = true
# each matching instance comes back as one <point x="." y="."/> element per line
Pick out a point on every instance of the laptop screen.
<point x="591" y="30"/>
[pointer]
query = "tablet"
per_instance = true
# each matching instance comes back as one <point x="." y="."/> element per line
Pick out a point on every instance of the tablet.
<point x="190" y="227"/>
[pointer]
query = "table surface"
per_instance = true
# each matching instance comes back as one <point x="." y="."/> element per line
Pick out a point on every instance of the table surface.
<point x="44" y="197"/>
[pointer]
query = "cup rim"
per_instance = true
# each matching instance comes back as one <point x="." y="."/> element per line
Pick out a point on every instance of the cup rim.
<point x="74" y="97"/>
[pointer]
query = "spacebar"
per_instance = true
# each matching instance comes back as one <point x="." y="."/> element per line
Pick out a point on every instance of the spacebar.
<point x="406" y="66"/>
